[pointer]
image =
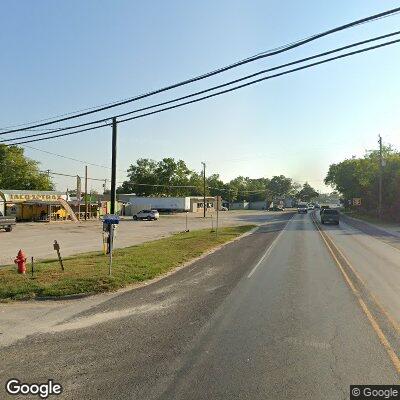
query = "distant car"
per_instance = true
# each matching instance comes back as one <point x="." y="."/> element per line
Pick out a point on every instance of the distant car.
<point x="330" y="216"/>
<point x="317" y="206"/>
<point x="149" y="215"/>
<point x="278" y="207"/>
<point x="223" y="209"/>
<point x="302" y="208"/>
<point x="310" y="207"/>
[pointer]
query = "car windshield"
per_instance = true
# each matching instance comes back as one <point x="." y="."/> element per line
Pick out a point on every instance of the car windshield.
<point x="266" y="133"/>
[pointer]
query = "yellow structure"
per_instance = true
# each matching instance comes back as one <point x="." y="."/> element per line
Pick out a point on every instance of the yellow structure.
<point x="32" y="205"/>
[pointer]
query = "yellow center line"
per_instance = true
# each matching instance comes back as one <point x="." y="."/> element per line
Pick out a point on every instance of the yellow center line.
<point x="382" y="338"/>
<point x="377" y="301"/>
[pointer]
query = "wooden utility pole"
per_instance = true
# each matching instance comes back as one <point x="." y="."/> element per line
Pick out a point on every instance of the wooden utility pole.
<point x="204" y="189"/>
<point x="86" y="199"/>
<point x="113" y="165"/>
<point x="380" y="177"/>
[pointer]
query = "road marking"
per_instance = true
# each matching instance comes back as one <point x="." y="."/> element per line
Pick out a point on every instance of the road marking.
<point x="270" y="248"/>
<point x="384" y="341"/>
<point x="374" y="297"/>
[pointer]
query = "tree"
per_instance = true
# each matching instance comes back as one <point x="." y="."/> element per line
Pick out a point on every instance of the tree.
<point x="19" y="172"/>
<point x="359" y="177"/>
<point x="163" y="178"/>
<point x="279" y="187"/>
<point x="140" y="174"/>
<point x="307" y="193"/>
<point x="215" y="186"/>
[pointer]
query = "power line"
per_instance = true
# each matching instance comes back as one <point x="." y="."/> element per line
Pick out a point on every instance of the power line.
<point x="70" y="176"/>
<point x="217" y="93"/>
<point x="212" y="88"/>
<point x="157" y="185"/>
<point x="273" y="52"/>
<point x="67" y="158"/>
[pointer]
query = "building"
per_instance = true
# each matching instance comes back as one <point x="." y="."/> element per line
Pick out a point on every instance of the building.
<point x="79" y="208"/>
<point x="35" y="205"/>
<point x="134" y="203"/>
<point x="240" y="205"/>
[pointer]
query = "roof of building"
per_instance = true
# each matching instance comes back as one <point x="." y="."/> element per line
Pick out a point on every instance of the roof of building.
<point x="42" y="192"/>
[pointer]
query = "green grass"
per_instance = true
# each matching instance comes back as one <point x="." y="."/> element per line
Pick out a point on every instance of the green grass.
<point x="373" y="220"/>
<point x="88" y="273"/>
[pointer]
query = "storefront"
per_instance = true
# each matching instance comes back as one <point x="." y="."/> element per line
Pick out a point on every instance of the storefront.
<point x="79" y="208"/>
<point x="32" y="205"/>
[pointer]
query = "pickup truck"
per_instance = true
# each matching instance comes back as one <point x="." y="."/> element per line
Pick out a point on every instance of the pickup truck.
<point x="6" y="223"/>
<point x="329" y="215"/>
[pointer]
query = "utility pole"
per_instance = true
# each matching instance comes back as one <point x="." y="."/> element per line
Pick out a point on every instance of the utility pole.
<point x="113" y="165"/>
<point x="204" y="189"/>
<point x="79" y="194"/>
<point x="86" y="199"/>
<point x="380" y="177"/>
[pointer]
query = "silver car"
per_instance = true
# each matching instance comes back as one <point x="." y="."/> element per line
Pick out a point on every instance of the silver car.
<point x="149" y="215"/>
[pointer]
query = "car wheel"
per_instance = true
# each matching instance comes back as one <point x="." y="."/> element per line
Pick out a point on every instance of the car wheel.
<point x="135" y="218"/>
<point x="8" y="229"/>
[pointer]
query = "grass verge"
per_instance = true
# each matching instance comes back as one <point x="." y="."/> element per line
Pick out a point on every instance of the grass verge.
<point x="88" y="273"/>
<point x="371" y="219"/>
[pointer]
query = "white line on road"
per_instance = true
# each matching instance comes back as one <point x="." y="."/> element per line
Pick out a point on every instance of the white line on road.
<point x="270" y="248"/>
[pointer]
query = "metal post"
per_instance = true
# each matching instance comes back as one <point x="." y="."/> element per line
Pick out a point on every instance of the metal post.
<point x="56" y="246"/>
<point x="113" y="165"/>
<point x="111" y="243"/>
<point x="187" y="230"/>
<point x="204" y="189"/>
<point x="86" y="203"/>
<point x="32" y="267"/>
<point x="380" y="178"/>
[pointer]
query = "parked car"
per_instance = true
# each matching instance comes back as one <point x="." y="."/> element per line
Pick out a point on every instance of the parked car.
<point x="149" y="215"/>
<point x="330" y="216"/>
<point x="302" y="208"/>
<point x="223" y="208"/>
<point x="6" y="223"/>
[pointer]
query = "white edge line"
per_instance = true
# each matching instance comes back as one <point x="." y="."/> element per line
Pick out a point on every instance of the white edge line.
<point x="269" y="249"/>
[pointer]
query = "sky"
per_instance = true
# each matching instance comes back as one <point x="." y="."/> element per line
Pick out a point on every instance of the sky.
<point x="63" y="56"/>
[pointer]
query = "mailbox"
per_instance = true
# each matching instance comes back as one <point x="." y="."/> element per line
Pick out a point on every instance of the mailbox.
<point x="111" y="219"/>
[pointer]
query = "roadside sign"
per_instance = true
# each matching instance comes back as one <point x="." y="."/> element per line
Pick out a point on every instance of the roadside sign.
<point x="356" y="201"/>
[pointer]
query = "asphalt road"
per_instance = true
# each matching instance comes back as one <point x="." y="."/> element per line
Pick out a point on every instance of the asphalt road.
<point x="267" y="317"/>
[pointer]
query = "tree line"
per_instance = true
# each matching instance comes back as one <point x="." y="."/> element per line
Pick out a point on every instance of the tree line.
<point x="170" y="177"/>
<point x="359" y="178"/>
<point x="167" y="177"/>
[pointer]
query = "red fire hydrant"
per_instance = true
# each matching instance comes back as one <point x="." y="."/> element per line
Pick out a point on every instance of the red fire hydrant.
<point x="21" y="261"/>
